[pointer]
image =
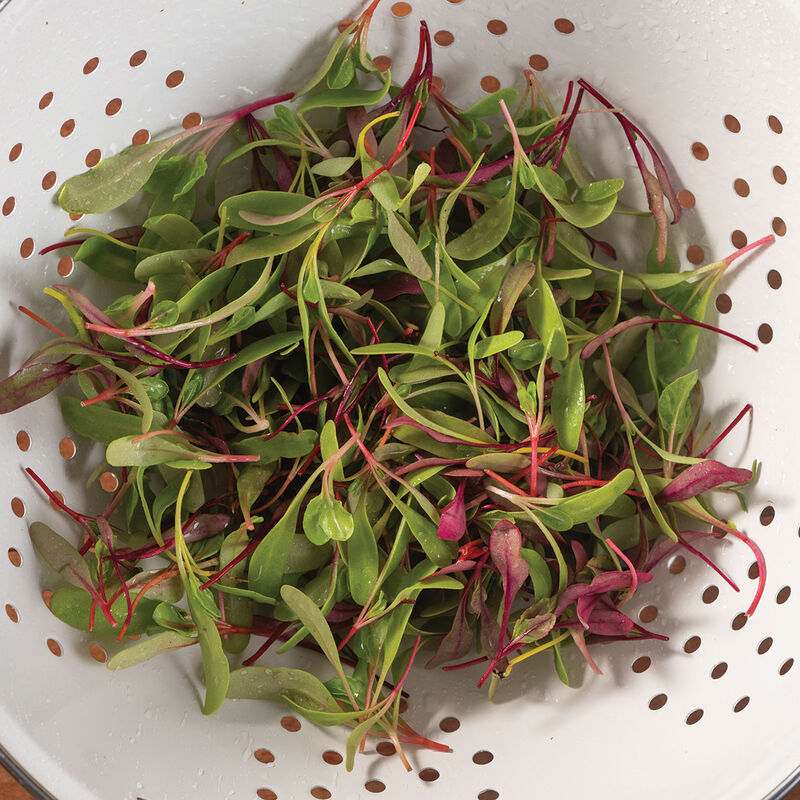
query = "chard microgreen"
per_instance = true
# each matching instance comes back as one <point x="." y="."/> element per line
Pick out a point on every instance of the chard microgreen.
<point x="385" y="400"/>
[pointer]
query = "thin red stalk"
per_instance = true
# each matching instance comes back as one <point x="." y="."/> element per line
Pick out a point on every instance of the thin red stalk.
<point x="59" y="245"/>
<point x="727" y="430"/>
<point x="276" y="634"/>
<point x="707" y="560"/>
<point x="177" y="362"/>
<point x="251" y="545"/>
<point x="748" y="247"/>
<point x="465" y="664"/>
<point x="756" y="550"/>
<point x="81" y="519"/>
<point x="629" y="565"/>
<point x="44" y="322"/>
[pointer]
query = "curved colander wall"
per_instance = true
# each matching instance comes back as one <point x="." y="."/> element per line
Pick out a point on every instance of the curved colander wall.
<point x="709" y="713"/>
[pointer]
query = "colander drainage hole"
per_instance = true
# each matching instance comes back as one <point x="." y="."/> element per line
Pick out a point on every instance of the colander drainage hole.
<point x="719" y="670"/>
<point x="710" y="594"/>
<point x="375" y="786"/>
<point x="483" y="757"/>
<point x="264" y="756"/>
<point x="692" y="644"/>
<point x="658" y="702"/>
<point x="449" y="724"/>
<point x="488" y="794"/>
<point x="694" y="717"/>
<point x="429" y="774"/>
<point x="764" y="645"/>
<point x="320" y="793"/>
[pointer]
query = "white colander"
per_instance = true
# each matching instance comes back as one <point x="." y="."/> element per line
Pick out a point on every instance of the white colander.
<point x="713" y="713"/>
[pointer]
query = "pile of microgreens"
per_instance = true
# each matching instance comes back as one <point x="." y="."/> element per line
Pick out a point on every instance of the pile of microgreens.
<point x="385" y="404"/>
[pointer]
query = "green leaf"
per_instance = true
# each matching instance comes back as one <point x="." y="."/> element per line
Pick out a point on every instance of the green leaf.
<point x="112" y="261"/>
<point x="171" y="262"/>
<point x="215" y="663"/>
<point x="114" y="180"/>
<point x="176" y="231"/>
<point x="489" y="231"/>
<point x="103" y="424"/>
<point x="325" y="519"/>
<point x="408" y="249"/>
<point x="250" y="485"/>
<point x="147" y="649"/>
<point x="298" y="687"/>
<point x="74" y="606"/>
<point x="439" y="551"/>
<point x="674" y="411"/>
<point x="567" y="403"/>
<point x="355" y="738"/>
<point x="591" y="503"/>
<point x="333" y="167"/>
<point x="133" y="451"/>
<point x="271" y="205"/>
<point x="311" y="617"/>
<point x="269" y="559"/>
<point x="362" y="554"/>
<point x="329" y="445"/>
<point x="541" y="577"/>
<point x="490" y="105"/>
<point x="60" y="555"/>
<point x="546" y="319"/>
<point x="348" y="97"/>
<point x="599" y="190"/>
<point x="190" y="177"/>
<point x="282" y="445"/>
<point x="492" y="345"/>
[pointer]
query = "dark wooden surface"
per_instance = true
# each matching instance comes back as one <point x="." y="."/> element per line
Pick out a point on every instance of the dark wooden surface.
<point x="11" y="790"/>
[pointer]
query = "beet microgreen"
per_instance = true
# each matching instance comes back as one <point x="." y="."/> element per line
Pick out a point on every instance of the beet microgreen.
<point x="369" y="353"/>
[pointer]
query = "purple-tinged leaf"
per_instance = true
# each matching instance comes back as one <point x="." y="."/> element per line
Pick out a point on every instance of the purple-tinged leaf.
<point x="459" y="566"/>
<point x="490" y="628"/>
<point x="608" y="621"/>
<point x="699" y="478"/>
<point x="457" y="642"/>
<point x="539" y="625"/>
<point x="395" y="286"/>
<point x="589" y="350"/>
<point x="570" y="595"/>
<point x="585" y="606"/>
<point x="610" y="581"/>
<point x="250" y="376"/>
<point x="580" y="643"/>
<point x="655" y="200"/>
<point x="453" y="521"/>
<point x="579" y="551"/>
<point x="32" y="382"/>
<point x="505" y="548"/>
<point x="85" y="306"/>
<point x="204" y="526"/>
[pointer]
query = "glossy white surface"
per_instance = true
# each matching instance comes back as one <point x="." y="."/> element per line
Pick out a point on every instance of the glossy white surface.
<point x="677" y="67"/>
